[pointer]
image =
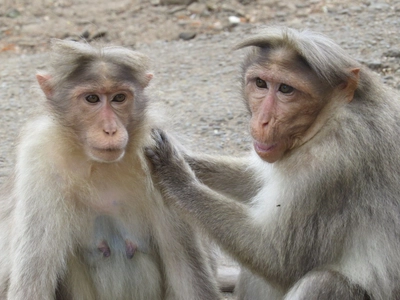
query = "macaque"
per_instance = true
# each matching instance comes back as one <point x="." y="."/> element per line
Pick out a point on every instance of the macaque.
<point x="313" y="212"/>
<point x="80" y="217"/>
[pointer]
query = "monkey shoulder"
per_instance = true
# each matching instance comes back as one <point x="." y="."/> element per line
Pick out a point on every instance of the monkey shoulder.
<point x="43" y="152"/>
<point x="39" y="136"/>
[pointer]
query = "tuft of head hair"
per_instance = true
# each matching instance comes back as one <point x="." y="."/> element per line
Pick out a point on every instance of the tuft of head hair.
<point x="326" y="58"/>
<point x="67" y="55"/>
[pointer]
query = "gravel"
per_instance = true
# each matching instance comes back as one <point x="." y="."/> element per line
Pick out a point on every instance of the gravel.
<point x="196" y="81"/>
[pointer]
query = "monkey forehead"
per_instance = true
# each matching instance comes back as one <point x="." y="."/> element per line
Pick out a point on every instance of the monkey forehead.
<point x="326" y="58"/>
<point x="284" y="65"/>
<point x="103" y="87"/>
<point x="103" y="73"/>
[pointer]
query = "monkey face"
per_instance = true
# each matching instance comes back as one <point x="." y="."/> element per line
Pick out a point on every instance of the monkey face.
<point x="284" y="101"/>
<point x="102" y="114"/>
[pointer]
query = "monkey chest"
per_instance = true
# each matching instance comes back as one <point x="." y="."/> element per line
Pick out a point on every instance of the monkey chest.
<point x="120" y="260"/>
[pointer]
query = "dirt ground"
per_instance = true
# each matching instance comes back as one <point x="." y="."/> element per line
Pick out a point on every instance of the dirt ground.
<point x="196" y="78"/>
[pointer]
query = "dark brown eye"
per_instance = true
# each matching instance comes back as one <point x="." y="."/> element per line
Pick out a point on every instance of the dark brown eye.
<point x="285" y="89"/>
<point x="119" y="98"/>
<point x="261" y="83"/>
<point x="92" y="98"/>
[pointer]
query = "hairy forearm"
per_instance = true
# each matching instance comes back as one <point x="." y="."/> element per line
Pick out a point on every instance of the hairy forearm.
<point x="231" y="176"/>
<point x="229" y="223"/>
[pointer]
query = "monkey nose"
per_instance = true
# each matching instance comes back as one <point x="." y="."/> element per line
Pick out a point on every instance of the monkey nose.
<point x="110" y="131"/>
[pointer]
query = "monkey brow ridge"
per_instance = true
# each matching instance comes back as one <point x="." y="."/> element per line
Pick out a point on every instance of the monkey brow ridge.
<point x="327" y="59"/>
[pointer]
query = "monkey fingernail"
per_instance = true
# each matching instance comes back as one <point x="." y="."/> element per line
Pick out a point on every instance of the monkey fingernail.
<point x="149" y="152"/>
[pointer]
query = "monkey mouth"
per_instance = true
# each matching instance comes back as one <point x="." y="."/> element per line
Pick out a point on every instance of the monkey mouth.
<point x="107" y="154"/>
<point x="264" y="148"/>
<point x="109" y="149"/>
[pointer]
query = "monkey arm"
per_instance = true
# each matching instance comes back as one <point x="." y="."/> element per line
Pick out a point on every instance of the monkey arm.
<point x="231" y="176"/>
<point x="38" y="249"/>
<point x="227" y="221"/>
<point x="41" y="232"/>
<point x="184" y="259"/>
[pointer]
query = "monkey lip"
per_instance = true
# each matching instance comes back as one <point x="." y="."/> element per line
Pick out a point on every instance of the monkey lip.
<point x="263" y="148"/>
<point x="107" y="154"/>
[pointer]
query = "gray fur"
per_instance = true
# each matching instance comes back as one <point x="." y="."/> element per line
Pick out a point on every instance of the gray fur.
<point x="333" y="231"/>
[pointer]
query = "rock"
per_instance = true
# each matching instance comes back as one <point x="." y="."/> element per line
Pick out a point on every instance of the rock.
<point x="13" y="13"/>
<point x="211" y="5"/>
<point x="34" y="29"/>
<point x="392" y="53"/>
<point x="374" y="65"/>
<point x="233" y="9"/>
<point x="85" y="34"/>
<point x="98" y="35"/>
<point x="176" y="2"/>
<point x="378" y="7"/>
<point x="187" y="35"/>
<point x="234" y="20"/>
<point x="177" y="9"/>
<point x="197" y="8"/>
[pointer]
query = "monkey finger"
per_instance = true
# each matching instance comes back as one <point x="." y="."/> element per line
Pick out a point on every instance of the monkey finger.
<point x="152" y="156"/>
<point x="158" y="135"/>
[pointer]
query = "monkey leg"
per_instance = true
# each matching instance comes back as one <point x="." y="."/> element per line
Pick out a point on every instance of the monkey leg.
<point x="326" y="285"/>
<point x="253" y="287"/>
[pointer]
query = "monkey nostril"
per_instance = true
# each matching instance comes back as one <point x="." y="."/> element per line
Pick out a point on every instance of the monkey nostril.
<point x="110" y="131"/>
<point x="264" y="123"/>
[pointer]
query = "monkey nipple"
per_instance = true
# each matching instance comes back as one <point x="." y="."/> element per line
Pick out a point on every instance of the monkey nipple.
<point x="104" y="249"/>
<point x="130" y="249"/>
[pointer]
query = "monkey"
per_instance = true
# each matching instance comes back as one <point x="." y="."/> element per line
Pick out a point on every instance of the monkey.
<point x="80" y="216"/>
<point x="312" y="211"/>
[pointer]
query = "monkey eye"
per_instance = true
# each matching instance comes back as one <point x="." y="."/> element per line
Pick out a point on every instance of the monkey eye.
<point x="92" y="98"/>
<point x="119" y="98"/>
<point x="261" y="83"/>
<point x="285" y="89"/>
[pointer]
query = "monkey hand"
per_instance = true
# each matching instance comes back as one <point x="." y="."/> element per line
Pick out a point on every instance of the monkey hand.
<point x="170" y="169"/>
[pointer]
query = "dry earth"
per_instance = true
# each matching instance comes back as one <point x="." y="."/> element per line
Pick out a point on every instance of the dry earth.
<point x="196" y="80"/>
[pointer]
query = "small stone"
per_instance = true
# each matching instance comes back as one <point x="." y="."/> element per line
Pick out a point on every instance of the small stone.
<point x="379" y="7"/>
<point x="233" y="9"/>
<point x="234" y="20"/>
<point x="392" y="53"/>
<point x="374" y="65"/>
<point x="85" y="34"/>
<point x="187" y="35"/>
<point x="99" y="35"/>
<point x="176" y="2"/>
<point x="197" y="8"/>
<point x="13" y="13"/>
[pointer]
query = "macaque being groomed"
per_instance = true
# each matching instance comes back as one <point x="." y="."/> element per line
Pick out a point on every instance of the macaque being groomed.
<point x="314" y="212"/>
<point x="80" y="219"/>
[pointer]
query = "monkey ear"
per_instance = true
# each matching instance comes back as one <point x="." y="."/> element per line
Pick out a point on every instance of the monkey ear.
<point x="350" y="86"/>
<point x="43" y="80"/>
<point x="147" y="78"/>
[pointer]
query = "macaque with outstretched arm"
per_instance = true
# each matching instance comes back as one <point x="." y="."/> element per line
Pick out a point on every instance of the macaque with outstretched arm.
<point x="314" y="211"/>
